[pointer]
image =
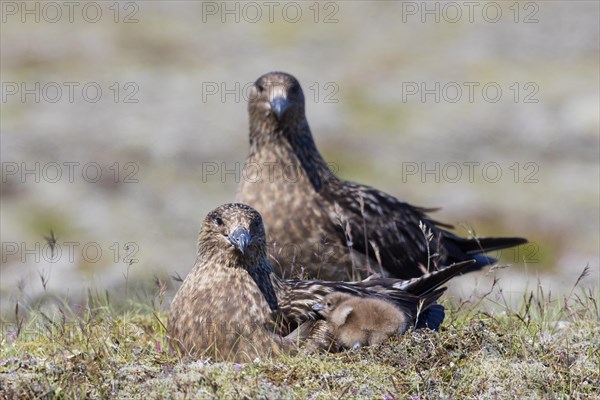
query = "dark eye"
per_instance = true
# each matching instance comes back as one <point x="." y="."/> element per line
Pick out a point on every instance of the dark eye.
<point x="260" y="87"/>
<point x="218" y="221"/>
<point x="294" y="90"/>
<point x="328" y="304"/>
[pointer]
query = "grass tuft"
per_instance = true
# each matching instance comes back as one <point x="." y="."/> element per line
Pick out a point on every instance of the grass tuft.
<point x="545" y="347"/>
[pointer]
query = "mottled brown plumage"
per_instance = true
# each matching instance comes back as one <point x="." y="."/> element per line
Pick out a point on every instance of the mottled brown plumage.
<point x="232" y="306"/>
<point x="327" y="227"/>
<point x="357" y="321"/>
<point x="415" y="297"/>
<point x="223" y="310"/>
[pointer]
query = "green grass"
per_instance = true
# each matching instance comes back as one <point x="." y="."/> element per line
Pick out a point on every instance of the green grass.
<point x="543" y="348"/>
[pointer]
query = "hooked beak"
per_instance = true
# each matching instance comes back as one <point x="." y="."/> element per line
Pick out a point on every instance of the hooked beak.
<point x="240" y="239"/>
<point x="317" y="307"/>
<point x="279" y="105"/>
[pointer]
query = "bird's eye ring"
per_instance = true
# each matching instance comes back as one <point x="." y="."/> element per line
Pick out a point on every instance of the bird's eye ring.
<point x="218" y="221"/>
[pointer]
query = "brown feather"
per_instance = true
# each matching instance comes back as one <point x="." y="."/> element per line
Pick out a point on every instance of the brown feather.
<point x="233" y="307"/>
<point x="327" y="228"/>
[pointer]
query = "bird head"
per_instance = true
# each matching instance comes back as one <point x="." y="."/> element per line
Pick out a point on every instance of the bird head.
<point x="276" y="98"/>
<point x="330" y="302"/>
<point x="233" y="230"/>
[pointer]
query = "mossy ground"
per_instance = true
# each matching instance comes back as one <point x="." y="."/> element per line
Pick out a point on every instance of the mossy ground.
<point x="543" y="348"/>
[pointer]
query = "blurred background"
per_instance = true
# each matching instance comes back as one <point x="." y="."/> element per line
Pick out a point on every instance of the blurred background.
<point x="124" y="123"/>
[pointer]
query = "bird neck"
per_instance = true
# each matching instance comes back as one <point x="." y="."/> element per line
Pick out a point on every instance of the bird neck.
<point x="291" y="145"/>
<point x="261" y="274"/>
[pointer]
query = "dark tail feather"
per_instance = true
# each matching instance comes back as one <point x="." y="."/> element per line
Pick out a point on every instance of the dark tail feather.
<point x="481" y="260"/>
<point x="431" y="318"/>
<point x="427" y="283"/>
<point x="429" y="313"/>
<point x="428" y="286"/>
<point x="475" y="248"/>
<point x="483" y="245"/>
